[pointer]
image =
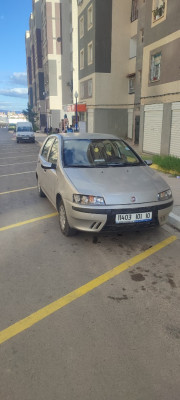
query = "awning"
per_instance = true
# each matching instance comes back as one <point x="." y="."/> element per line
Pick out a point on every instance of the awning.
<point x="72" y="108"/>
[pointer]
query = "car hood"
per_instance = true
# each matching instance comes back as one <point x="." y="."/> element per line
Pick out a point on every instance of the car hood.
<point x="118" y="184"/>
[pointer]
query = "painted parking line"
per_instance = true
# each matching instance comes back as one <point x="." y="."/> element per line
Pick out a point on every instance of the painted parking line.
<point x="18" y="173"/>
<point x="27" y="155"/>
<point x="18" y="190"/>
<point x="28" y="221"/>
<point x="51" y="308"/>
<point x="26" y="162"/>
<point x="13" y="152"/>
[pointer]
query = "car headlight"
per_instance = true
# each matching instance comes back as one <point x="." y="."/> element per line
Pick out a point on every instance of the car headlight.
<point x="90" y="200"/>
<point x="167" y="194"/>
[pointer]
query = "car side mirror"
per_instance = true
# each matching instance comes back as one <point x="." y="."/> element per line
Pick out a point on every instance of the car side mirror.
<point x="48" y="166"/>
<point x="148" y="162"/>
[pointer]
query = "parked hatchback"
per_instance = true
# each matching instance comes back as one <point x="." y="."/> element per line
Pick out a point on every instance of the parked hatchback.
<point x="97" y="182"/>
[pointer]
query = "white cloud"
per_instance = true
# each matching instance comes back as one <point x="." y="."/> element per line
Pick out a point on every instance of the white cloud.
<point x="16" y="92"/>
<point x="19" y="78"/>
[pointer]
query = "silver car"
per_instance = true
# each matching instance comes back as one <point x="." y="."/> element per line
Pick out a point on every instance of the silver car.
<point x="97" y="182"/>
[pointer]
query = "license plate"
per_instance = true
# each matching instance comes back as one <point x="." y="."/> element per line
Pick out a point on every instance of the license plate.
<point x="135" y="217"/>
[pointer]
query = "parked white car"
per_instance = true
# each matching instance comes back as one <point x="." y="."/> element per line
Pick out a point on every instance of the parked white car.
<point x="24" y="132"/>
<point x="97" y="182"/>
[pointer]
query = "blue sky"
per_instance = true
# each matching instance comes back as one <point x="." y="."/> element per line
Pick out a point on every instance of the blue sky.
<point x="14" y="21"/>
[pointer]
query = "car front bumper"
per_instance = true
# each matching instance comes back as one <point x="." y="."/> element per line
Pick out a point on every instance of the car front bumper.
<point x="95" y="219"/>
<point x="26" y="138"/>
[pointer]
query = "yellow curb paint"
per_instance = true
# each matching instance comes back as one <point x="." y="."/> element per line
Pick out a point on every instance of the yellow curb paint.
<point x="29" y="221"/>
<point x="44" y="312"/>
<point x="156" y="167"/>
<point x="18" y="190"/>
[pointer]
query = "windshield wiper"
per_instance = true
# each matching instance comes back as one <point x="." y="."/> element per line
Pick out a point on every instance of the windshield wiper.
<point x="78" y="166"/>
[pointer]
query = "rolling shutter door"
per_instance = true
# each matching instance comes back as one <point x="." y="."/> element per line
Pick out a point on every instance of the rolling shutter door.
<point x="153" y="128"/>
<point x="175" y="130"/>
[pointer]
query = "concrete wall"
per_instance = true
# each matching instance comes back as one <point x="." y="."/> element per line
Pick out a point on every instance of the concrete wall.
<point x="113" y="121"/>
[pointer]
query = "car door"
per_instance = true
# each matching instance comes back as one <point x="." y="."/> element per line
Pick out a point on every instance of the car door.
<point x="51" y="174"/>
<point x="42" y="160"/>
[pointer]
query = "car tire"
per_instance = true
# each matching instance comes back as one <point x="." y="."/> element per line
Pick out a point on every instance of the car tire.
<point x="63" y="222"/>
<point x="17" y="141"/>
<point x="40" y="191"/>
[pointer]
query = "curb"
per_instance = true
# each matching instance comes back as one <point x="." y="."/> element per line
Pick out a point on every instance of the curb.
<point x="174" y="221"/>
<point x="172" y="172"/>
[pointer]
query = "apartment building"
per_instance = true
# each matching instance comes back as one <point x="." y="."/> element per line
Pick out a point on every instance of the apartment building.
<point x="160" y="88"/>
<point x="107" y="65"/>
<point x="50" y="59"/>
<point x="35" y="73"/>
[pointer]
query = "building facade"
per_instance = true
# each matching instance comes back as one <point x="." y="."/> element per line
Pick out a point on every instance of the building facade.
<point x="160" y="88"/>
<point x="34" y="62"/>
<point x="105" y="64"/>
<point x="49" y="53"/>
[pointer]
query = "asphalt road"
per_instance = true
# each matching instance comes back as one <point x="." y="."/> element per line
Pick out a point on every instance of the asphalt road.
<point x="72" y="326"/>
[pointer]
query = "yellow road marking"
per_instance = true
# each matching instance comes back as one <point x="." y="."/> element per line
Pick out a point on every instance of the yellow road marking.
<point x="18" y="173"/>
<point x="44" y="312"/>
<point x="28" y="221"/>
<point x="18" y="190"/>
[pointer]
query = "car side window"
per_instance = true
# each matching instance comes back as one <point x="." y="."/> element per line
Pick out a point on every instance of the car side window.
<point x="53" y="155"/>
<point x="46" y="148"/>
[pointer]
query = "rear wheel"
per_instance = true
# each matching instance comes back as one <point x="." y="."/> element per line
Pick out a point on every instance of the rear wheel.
<point x="63" y="222"/>
<point x="17" y="140"/>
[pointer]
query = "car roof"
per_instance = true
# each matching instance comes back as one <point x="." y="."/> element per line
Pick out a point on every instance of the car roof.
<point x="78" y="135"/>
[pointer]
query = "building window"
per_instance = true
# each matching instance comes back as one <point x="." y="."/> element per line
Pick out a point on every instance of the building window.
<point x="81" y="27"/>
<point x="90" y="53"/>
<point x="82" y="90"/>
<point x="142" y="35"/>
<point x="90" y="17"/>
<point x="134" y="10"/>
<point x="158" y="9"/>
<point x="90" y="88"/>
<point x="133" y="47"/>
<point x="82" y="59"/>
<point x="155" y="67"/>
<point x="131" y="83"/>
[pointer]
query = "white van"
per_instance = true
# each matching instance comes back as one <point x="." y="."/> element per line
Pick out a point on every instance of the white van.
<point x="24" y="132"/>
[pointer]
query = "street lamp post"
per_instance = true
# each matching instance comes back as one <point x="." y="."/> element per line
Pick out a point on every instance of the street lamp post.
<point x="76" y="97"/>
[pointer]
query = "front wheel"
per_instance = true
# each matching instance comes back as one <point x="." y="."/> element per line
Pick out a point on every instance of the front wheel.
<point x="63" y="222"/>
<point x="40" y="191"/>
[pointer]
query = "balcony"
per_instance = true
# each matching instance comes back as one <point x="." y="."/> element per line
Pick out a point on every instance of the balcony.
<point x="158" y="12"/>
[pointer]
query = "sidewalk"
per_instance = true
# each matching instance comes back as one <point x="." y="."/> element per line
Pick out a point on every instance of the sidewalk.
<point x="172" y="181"/>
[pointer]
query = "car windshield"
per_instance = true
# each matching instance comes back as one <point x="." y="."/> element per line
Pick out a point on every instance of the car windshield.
<point x="24" y="129"/>
<point x="91" y="153"/>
